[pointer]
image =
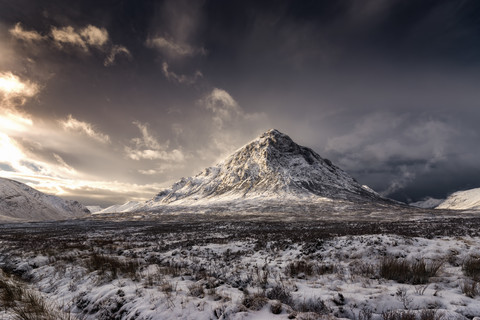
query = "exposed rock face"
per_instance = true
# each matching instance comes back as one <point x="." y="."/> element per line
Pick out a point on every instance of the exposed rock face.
<point x="19" y="202"/>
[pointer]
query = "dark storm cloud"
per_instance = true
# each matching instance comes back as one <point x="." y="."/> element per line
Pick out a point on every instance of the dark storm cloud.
<point x="153" y="90"/>
<point x="343" y="62"/>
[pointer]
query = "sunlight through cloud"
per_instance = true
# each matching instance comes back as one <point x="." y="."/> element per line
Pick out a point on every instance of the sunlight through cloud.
<point x="12" y="87"/>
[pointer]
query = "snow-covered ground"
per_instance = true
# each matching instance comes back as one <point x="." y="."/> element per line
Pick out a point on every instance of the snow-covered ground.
<point x="223" y="269"/>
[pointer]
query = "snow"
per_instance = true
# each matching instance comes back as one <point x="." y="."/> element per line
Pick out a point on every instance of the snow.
<point x="236" y="266"/>
<point x="427" y="203"/>
<point x="118" y="208"/>
<point x="19" y="202"/>
<point x="94" y="209"/>
<point x="370" y="189"/>
<point x="462" y="200"/>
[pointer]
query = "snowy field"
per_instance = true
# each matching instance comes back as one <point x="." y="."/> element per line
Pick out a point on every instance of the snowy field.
<point x="251" y="269"/>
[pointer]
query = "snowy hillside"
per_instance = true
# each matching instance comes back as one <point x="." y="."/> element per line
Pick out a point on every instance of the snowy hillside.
<point x="117" y="208"/>
<point x="462" y="200"/>
<point x="94" y="209"/>
<point x="270" y="169"/>
<point x="19" y="202"/>
<point x="427" y="203"/>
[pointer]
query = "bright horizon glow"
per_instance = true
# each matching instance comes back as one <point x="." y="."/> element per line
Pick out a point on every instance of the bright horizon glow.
<point x="64" y="186"/>
<point x="10" y="153"/>
<point x="15" y="122"/>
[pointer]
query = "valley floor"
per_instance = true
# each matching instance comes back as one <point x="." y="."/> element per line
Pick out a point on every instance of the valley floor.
<point x="202" y="268"/>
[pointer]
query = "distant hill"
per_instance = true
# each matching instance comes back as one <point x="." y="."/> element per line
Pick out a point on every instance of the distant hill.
<point x="94" y="209"/>
<point x="428" y="203"/>
<point x="118" y="208"/>
<point x="462" y="200"/>
<point x="19" y="202"/>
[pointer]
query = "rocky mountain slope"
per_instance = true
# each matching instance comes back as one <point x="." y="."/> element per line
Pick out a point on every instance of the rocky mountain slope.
<point x="272" y="170"/>
<point x="19" y="202"/>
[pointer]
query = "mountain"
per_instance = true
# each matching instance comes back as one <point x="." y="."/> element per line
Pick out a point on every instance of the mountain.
<point x="462" y="200"/>
<point x="94" y="209"/>
<point x="119" y="208"/>
<point x="427" y="203"/>
<point x="271" y="170"/>
<point x="19" y="202"/>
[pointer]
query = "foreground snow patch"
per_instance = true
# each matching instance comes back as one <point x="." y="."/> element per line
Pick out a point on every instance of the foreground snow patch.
<point x="141" y="274"/>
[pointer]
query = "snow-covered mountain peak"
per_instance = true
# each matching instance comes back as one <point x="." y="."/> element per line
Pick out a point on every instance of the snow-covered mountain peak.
<point x="272" y="167"/>
<point x="274" y="138"/>
<point x="272" y="152"/>
<point x="270" y="145"/>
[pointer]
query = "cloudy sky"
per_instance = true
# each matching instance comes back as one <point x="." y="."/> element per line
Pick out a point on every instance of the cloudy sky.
<point x="108" y="101"/>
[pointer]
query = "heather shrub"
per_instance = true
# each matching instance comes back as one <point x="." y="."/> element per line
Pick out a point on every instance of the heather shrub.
<point x="404" y="271"/>
<point x="471" y="267"/>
